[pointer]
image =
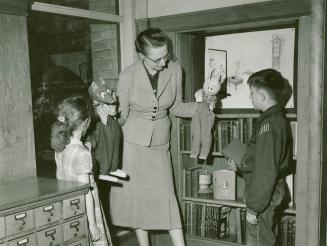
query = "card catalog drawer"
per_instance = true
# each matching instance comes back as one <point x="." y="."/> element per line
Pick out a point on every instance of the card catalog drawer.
<point x="82" y="242"/>
<point x="47" y="214"/>
<point x="74" y="228"/>
<point x="50" y="236"/>
<point x="28" y="240"/>
<point x="19" y="222"/>
<point x="2" y="228"/>
<point x="73" y="206"/>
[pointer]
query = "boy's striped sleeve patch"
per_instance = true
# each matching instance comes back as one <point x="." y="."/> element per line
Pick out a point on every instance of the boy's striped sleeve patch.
<point x="264" y="128"/>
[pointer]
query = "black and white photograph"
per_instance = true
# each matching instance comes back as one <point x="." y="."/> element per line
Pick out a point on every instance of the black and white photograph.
<point x="163" y="123"/>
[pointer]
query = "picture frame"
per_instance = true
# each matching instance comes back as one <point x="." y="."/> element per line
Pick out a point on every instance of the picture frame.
<point x="216" y="64"/>
<point x="250" y="51"/>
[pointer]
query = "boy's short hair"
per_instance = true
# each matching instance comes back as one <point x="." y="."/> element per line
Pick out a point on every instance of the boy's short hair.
<point x="273" y="83"/>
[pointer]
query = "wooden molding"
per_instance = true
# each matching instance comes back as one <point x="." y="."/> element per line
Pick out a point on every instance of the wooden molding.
<point x="63" y="10"/>
<point x="13" y="7"/>
<point x="262" y="11"/>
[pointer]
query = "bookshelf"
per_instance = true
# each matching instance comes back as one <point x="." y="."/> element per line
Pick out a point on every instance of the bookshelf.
<point x="186" y="32"/>
<point x="201" y="215"/>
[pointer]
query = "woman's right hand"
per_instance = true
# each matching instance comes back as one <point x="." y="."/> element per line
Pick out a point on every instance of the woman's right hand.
<point x="95" y="232"/>
<point x="199" y="96"/>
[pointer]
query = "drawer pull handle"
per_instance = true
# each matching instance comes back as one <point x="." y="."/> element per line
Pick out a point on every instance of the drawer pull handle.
<point x="23" y="242"/>
<point x="50" y="233"/>
<point x="48" y="209"/>
<point x="75" y="203"/>
<point x="20" y="216"/>
<point x="75" y="225"/>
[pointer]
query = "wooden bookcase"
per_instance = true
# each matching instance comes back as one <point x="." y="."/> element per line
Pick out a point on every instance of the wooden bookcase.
<point x="309" y="15"/>
<point x="302" y="148"/>
<point x="200" y="215"/>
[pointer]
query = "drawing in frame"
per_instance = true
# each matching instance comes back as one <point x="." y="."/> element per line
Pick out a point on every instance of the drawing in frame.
<point x="216" y="65"/>
<point x="249" y="52"/>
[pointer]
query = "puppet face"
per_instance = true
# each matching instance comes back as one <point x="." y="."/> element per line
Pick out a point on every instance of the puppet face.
<point x="104" y="110"/>
<point x="211" y="87"/>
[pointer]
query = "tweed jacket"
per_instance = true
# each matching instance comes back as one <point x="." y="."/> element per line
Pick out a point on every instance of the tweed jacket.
<point x="144" y="115"/>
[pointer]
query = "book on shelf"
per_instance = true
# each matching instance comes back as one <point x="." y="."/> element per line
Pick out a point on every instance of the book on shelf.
<point x="293" y="233"/>
<point x="191" y="181"/>
<point x="195" y="182"/>
<point x="224" y="184"/>
<point x="234" y="150"/>
<point x="206" y="220"/>
<point x="240" y="225"/>
<point x="287" y="229"/>
<point x="185" y="135"/>
<point x="223" y="222"/>
<point x="294" y="135"/>
<point x="187" y="216"/>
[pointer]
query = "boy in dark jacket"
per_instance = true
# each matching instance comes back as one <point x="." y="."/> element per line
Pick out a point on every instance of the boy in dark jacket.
<point x="267" y="158"/>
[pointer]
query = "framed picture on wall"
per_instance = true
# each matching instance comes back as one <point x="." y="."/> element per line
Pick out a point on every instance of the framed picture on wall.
<point x="216" y="65"/>
<point x="248" y="52"/>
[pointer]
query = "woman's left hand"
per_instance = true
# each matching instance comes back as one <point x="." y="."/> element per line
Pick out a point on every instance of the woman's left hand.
<point x="112" y="109"/>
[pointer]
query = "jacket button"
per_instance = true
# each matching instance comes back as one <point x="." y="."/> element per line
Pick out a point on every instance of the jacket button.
<point x="153" y="116"/>
<point x="154" y="112"/>
<point x="155" y="108"/>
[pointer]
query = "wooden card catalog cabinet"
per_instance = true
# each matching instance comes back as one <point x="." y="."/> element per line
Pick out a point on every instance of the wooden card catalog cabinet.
<point x="43" y="212"/>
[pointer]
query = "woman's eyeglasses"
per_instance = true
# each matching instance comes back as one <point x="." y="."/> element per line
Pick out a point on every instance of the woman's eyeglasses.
<point x="157" y="61"/>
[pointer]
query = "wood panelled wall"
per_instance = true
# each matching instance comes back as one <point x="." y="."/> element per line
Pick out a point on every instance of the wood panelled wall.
<point x="17" y="154"/>
<point x="311" y="211"/>
<point x="249" y="13"/>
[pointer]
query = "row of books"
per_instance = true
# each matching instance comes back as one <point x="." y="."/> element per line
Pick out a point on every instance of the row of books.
<point x="227" y="130"/>
<point x="287" y="230"/>
<point x="221" y="222"/>
<point x="206" y="220"/>
<point x="215" y="221"/>
<point x="224" y="132"/>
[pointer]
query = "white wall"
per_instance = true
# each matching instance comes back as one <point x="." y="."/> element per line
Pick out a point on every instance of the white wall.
<point x="155" y="8"/>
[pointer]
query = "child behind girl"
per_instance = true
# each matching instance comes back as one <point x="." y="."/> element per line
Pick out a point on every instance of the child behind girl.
<point x="74" y="162"/>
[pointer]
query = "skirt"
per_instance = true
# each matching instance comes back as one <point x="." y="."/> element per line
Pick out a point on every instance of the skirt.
<point x="147" y="200"/>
